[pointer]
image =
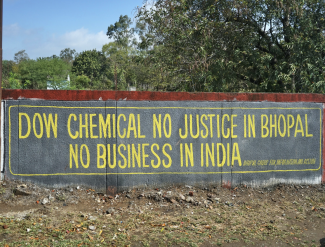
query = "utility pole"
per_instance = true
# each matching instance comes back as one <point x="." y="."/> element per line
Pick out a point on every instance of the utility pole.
<point x="1" y="31"/>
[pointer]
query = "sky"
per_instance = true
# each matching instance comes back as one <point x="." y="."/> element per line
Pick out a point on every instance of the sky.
<point x="45" y="27"/>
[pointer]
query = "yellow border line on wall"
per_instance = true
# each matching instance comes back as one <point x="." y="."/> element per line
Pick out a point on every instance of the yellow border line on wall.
<point x="158" y="173"/>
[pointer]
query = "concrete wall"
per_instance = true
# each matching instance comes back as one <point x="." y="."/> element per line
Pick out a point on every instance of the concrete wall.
<point x="114" y="140"/>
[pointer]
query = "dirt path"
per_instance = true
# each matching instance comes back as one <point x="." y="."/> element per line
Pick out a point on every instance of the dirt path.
<point x="284" y="215"/>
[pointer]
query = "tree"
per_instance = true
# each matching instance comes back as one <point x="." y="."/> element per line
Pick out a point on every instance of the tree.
<point x="20" y="56"/>
<point x="122" y="32"/>
<point x="58" y="72"/>
<point x="11" y="81"/>
<point x="131" y="64"/>
<point x="81" y="82"/>
<point x="235" y="45"/>
<point x="118" y="58"/>
<point x="94" y="65"/>
<point x="38" y="74"/>
<point x="8" y="66"/>
<point x="117" y="52"/>
<point x="68" y="55"/>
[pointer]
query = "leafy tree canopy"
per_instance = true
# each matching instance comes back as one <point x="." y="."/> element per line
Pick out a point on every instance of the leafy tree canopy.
<point x="36" y="74"/>
<point x="94" y="65"/>
<point x="122" y="32"/>
<point x="68" y="55"/>
<point x="236" y="45"/>
<point x="20" y="56"/>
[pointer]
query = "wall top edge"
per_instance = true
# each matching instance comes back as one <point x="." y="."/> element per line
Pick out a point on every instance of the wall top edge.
<point x="93" y="95"/>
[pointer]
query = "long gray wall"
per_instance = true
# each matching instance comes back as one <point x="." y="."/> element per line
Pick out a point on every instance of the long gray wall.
<point x="118" y="144"/>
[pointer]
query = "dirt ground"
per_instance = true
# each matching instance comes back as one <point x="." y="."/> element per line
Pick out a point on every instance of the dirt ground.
<point x="283" y="215"/>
